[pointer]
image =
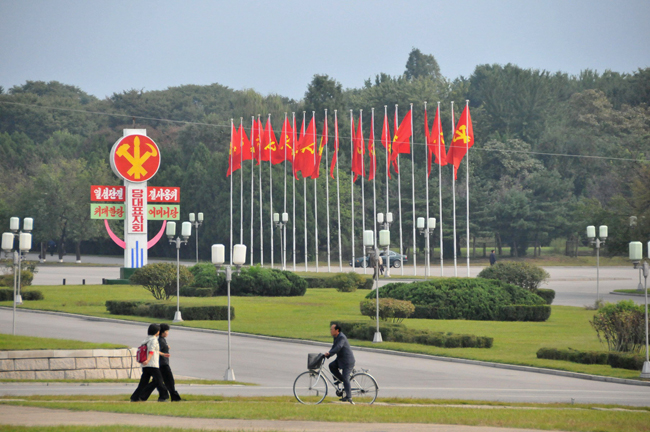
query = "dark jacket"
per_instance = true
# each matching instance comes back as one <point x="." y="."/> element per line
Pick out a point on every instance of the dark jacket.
<point x="493" y="258"/>
<point x="341" y="348"/>
<point x="164" y="348"/>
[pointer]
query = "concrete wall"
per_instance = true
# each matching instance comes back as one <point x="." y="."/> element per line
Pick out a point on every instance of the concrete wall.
<point x="69" y="364"/>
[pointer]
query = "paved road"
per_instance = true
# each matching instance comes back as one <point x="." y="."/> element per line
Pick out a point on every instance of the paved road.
<point x="275" y="364"/>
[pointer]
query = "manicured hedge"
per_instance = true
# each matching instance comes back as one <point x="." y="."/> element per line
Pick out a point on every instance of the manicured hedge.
<point x="524" y="312"/>
<point x="465" y="298"/>
<point x="547" y="294"/>
<point x="341" y="281"/>
<point x="614" y="359"/>
<point x="392" y="332"/>
<point x="163" y="311"/>
<point x="389" y="309"/>
<point x="8" y="295"/>
<point x="26" y="278"/>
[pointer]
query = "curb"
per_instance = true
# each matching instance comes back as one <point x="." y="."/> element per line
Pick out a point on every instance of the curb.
<point x="626" y="294"/>
<point x="368" y="349"/>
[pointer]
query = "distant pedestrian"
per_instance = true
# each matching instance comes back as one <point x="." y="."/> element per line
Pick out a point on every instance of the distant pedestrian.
<point x="151" y="369"/>
<point x="373" y="259"/>
<point x="381" y="265"/>
<point x="165" y="370"/>
<point x="493" y="258"/>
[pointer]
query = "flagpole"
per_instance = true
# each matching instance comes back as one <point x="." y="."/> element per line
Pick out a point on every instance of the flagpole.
<point x="338" y="190"/>
<point x="252" y="180"/>
<point x="241" y="181"/>
<point x="304" y="193"/>
<point x="313" y="118"/>
<point x="261" y="206"/>
<point x="399" y="200"/>
<point x="415" y="270"/>
<point x="363" y="199"/>
<point x="284" y="208"/>
<point x="440" y="148"/>
<point x="232" y="125"/>
<point x="352" y="186"/>
<point x="373" y="163"/>
<point x="427" y="259"/>
<point x="270" y="188"/>
<point x="327" y="193"/>
<point x="453" y="190"/>
<point x="467" y="179"/>
<point x="387" y="172"/>
<point x="293" y="177"/>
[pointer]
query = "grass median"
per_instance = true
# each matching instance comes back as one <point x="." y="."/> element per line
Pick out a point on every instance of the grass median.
<point x="308" y="317"/>
<point x="474" y="413"/>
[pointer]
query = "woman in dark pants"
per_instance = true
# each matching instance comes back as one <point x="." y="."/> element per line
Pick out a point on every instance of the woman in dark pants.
<point x="165" y="370"/>
<point x="150" y="369"/>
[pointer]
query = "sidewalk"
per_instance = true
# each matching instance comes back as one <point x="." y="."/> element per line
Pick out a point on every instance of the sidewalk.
<point x="32" y="416"/>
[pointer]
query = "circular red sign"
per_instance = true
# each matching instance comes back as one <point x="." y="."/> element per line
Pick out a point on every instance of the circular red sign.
<point x="135" y="158"/>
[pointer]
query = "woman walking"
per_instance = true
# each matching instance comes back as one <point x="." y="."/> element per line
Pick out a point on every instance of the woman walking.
<point x="151" y="369"/>
<point x="165" y="370"/>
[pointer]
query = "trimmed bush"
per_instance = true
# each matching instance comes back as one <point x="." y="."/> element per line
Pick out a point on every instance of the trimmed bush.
<point x="258" y="281"/>
<point x="8" y="295"/>
<point x="345" y="282"/>
<point x="461" y="298"/>
<point x="522" y="274"/>
<point x="524" y="312"/>
<point x="615" y="360"/>
<point x="206" y="276"/>
<point x="389" y="309"/>
<point x="164" y="311"/>
<point x="26" y="278"/>
<point x="160" y="279"/>
<point x="547" y="294"/>
<point x="621" y="326"/>
<point x="392" y="332"/>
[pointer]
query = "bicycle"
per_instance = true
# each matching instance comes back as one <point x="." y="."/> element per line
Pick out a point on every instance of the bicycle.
<point x="310" y="388"/>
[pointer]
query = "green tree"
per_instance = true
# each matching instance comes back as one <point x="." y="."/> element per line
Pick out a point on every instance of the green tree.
<point x="421" y="65"/>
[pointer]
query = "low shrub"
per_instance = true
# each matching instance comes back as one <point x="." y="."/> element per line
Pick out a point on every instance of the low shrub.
<point x="615" y="360"/>
<point x="7" y="294"/>
<point x="621" y="326"/>
<point x="392" y="332"/>
<point x="26" y="278"/>
<point x="160" y="279"/>
<point x="164" y="311"/>
<point x="461" y="298"/>
<point x="389" y="309"/>
<point x="206" y="276"/>
<point x="258" y="281"/>
<point x="547" y="294"/>
<point x="523" y="274"/>
<point x="345" y="282"/>
<point x="524" y="312"/>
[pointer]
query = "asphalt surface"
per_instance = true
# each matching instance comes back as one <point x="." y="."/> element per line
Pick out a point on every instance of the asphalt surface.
<point x="273" y="365"/>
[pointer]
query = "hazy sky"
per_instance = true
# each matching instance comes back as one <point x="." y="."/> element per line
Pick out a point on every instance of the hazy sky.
<point x="105" y="47"/>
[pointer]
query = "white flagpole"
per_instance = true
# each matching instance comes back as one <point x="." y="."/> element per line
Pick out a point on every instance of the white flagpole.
<point x="261" y="206"/>
<point x="352" y="185"/>
<point x="388" y="263"/>
<point x="252" y="180"/>
<point x="284" y="208"/>
<point x="313" y="117"/>
<point x="304" y="193"/>
<point x="399" y="200"/>
<point x="338" y="189"/>
<point x="293" y="180"/>
<point x="241" y="181"/>
<point x="467" y="180"/>
<point x="232" y="125"/>
<point x="270" y="188"/>
<point x="415" y="269"/>
<point x="363" y="198"/>
<point x="373" y="164"/>
<point x="440" y="148"/>
<point x="427" y="260"/>
<point x="327" y="193"/>
<point x="453" y="191"/>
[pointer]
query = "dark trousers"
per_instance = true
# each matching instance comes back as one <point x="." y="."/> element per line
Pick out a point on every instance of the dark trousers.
<point x="170" y="384"/>
<point x="344" y="377"/>
<point x="145" y="387"/>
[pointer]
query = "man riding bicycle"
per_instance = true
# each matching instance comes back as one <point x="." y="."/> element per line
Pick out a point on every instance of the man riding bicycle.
<point x="344" y="360"/>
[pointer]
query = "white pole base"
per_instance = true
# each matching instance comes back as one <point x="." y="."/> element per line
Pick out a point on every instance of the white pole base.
<point x="229" y="375"/>
<point x="78" y="261"/>
<point x="377" y="338"/>
<point x="178" y="317"/>
<point x="645" y="373"/>
<point x="19" y="299"/>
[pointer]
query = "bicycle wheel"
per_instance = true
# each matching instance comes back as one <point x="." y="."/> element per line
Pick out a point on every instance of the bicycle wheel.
<point x="310" y="388"/>
<point x="364" y="388"/>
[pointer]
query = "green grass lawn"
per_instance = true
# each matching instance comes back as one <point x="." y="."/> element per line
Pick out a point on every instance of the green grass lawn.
<point x="11" y="342"/>
<point x="308" y="317"/>
<point x="475" y="413"/>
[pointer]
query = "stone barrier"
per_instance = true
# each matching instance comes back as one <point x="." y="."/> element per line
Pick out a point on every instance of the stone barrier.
<point x="69" y="364"/>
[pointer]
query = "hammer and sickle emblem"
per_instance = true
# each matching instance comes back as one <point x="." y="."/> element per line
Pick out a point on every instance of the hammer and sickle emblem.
<point x="461" y="134"/>
<point x="309" y="147"/>
<point x="136" y="160"/>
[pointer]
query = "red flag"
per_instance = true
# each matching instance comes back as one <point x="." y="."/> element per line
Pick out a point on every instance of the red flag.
<point x="385" y="141"/>
<point x="336" y="144"/>
<point x="269" y="142"/>
<point x="401" y="143"/>
<point x="286" y="141"/>
<point x="234" y="158"/>
<point x="371" y="149"/>
<point x="306" y="150"/>
<point x="463" y="140"/>
<point x="321" y="147"/>
<point x="435" y="142"/>
<point x="359" y="149"/>
<point x="256" y="135"/>
<point x="246" y="146"/>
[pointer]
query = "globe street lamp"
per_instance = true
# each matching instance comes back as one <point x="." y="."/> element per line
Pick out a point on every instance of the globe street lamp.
<point x="24" y="245"/>
<point x="386" y="224"/>
<point x="636" y="255"/>
<point x="238" y="259"/>
<point x="196" y="222"/>
<point x="282" y="225"/>
<point x="186" y="232"/>
<point x="596" y="243"/>
<point x="431" y="226"/>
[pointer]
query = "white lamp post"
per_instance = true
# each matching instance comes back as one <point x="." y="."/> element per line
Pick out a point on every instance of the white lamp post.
<point x="186" y="232"/>
<point x="636" y="255"/>
<point x="24" y="245"/>
<point x="282" y="225"/>
<point x="196" y="221"/>
<point x="430" y="227"/>
<point x="596" y="243"/>
<point x="369" y="244"/>
<point x="238" y="259"/>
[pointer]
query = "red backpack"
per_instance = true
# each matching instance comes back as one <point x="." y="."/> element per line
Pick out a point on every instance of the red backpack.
<point x="141" y="355"/>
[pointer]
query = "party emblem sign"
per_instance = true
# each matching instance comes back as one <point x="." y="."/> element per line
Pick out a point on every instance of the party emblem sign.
<point x="135" y="158"/>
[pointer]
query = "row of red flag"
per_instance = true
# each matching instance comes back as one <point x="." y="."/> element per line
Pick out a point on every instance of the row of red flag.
<point x="306" y="156"/>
